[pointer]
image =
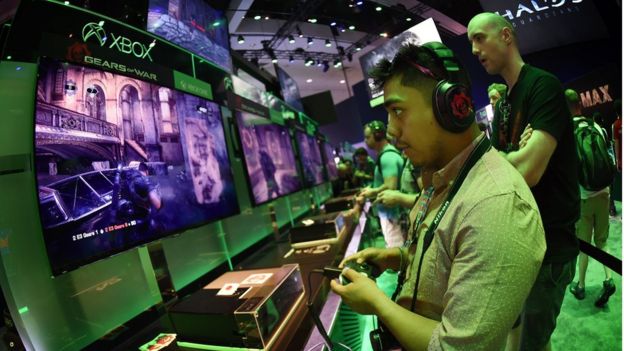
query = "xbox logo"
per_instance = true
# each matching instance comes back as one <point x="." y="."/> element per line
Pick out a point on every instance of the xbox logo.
<point x="122" y="44"/>
<point x="94" y="30"/>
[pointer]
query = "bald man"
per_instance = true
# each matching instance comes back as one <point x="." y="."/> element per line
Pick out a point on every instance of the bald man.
<point x="546" y="159"/>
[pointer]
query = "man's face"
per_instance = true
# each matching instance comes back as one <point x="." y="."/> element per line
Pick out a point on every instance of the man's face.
<point x="411" y="122"/>
<point x="494" y="97"/>
<point x="369" y="139"/>
<point x="489" y="44"/>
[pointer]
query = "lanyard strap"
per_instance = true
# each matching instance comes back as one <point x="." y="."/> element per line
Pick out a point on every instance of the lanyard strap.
<point x="476" y="154"/>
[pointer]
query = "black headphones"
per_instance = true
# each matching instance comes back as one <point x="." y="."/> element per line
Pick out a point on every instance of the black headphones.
<point x="451" y="101"/>
<point x="379" y="130"/>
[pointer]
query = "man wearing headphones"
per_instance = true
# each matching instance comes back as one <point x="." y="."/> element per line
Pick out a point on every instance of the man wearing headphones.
<point x="476" y="241"/>
<point x="388" y="168"/>
<point x="545" y="156"/>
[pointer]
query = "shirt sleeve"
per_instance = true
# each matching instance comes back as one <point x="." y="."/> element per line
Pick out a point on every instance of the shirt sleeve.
<point x="391" y="164"/>
<point x="495" y="263"/>
<point x="547" y="109"/>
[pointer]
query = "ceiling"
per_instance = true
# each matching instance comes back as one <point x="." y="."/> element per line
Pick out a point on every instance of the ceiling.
<point x="352" y="29"/>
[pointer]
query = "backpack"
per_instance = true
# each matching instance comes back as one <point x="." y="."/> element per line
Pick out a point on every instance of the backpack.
<point x="596" y="167"/>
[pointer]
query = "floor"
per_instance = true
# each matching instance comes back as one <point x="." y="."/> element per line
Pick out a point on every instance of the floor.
<point x="581" y="325"/>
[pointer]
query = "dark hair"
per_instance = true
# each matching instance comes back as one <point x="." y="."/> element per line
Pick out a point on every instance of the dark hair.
<point x="598" y="118"/>
<point x="360" y="151"/>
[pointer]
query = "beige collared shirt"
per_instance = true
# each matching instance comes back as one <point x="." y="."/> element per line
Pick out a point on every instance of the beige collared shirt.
<point x="484" y="257"/>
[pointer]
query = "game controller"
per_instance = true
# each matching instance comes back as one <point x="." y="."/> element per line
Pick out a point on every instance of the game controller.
<point x="367" y="269"/>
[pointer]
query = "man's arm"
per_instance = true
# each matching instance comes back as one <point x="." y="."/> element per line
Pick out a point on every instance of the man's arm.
<point x="531" y="161"/>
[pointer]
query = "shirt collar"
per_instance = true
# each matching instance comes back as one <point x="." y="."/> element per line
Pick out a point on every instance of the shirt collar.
<point x="446" y="176"/>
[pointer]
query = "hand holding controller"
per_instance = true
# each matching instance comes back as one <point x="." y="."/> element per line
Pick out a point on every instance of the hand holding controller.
<point x="367" y="269"/>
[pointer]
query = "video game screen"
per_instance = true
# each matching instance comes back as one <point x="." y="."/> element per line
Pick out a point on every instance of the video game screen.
<point x="330" y="163"/>
<point x="311" y="160"/>
<point x="289" y="89"/>
<point x="121" y="162"/>
<point x="193" y="25"/>
<point x="269" y="158"/>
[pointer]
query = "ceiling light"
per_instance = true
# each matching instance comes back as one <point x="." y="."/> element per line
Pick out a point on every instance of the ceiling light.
<point x="309" y="61"/>
<point x="299" y="31"/>
<point x="360" y="2"/>
<point x="342" y="81"/>
<point x="337" y="63"/>
<point x="257" y="17"/>
<point x="378" y="8"/>
<point x="312" y="20"/>
<point x="351" y="27"/>
<point x="274" y="59"/>
<point x="342" y="29"/>
<point x="332" y="24"/>
<point x="325" y="66"/>
<point x="409" y="19"/>
<point x="327" y="43"/>
<point x="310" y="41"/>
<point x="241" y="39"/>
<point x="216" y="23"/>
<point x="266" y="17"/>
<point x="309" y="80"/>
<point x="319" y="63"/>
<point x="291" y="58"/>
<point x="358" y="47"/>
<point x="384" y="34"/>
<point x="291" y="39"/>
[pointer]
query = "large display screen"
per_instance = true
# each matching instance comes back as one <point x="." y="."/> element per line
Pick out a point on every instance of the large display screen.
<point x="566" y="22"/>
<point x="193" y="25"/>
<point x="121" y="162"/>
<point x="419" y="34"/>
<point x="311" y="161"/>
<point x="330" y="163"/>
<point x="269" y="158"/>
<point x="289" y="89"/>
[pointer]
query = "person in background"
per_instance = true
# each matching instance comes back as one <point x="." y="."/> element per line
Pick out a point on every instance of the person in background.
<point x="532" y="129"/>
<point x="594" y="221"/>
<point x="463" y="279"/>
<point x="364" y="168"/>
<point x="495" y="92"/>
<point x="388" y="169"/>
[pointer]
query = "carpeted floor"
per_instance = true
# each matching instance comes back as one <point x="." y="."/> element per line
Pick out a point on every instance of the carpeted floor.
<point x="581" y="325"/>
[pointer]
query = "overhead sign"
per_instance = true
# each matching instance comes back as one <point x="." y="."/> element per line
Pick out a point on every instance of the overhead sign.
<point x="544" y="24"/>
<point x="117" y="42"/>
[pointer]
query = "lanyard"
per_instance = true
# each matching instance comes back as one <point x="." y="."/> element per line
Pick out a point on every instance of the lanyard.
<point x="481" y="148"/>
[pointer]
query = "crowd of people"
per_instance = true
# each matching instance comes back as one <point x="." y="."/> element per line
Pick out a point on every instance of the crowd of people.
<point x="482" y="229"/>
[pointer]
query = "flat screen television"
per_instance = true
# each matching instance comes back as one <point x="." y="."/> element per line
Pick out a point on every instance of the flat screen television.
<point x="330" y="163"/>
<point x="269" y="158"/>
<point x="419" y="34"/>
<point x="289" y="89"/>
<point x="195" y="26"/>
<point x="121" y="162"/>
<point x="310" y="157"/>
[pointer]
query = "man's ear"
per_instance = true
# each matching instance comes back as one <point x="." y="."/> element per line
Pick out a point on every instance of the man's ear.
<point x="506" y="35"/>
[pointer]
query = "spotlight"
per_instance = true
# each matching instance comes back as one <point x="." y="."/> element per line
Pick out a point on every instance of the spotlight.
<point x="351" y="27"/>
<point x="312" y="20"/>
<point x="325" y="66"/>
<point x="241" y="39"/>
<point x="384" y="34"/>
<point x="291" y="58"/>
<point x="342" y="81"/>
<point x="319" y="63"/>
<point x="358" y="47"/>
<point x="309" y="80"/>
<point x="327" y="43"/>
<point x="409" y="19"/>
<point x="337" y="63"/>
<point x="333" y="24"/>
<point x="257" y="17"/>
<point x="310" y="41"/>
<point x="299" y="31"/>
<point x="291" y="39"/>
<point x="378" y="8"/>
<point x="274" y="59"/>
<point x="359" y="3"/>
<point x="309" y="61"/>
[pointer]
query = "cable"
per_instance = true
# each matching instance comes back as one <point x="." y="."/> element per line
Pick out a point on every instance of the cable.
<point x="327" y="271"/>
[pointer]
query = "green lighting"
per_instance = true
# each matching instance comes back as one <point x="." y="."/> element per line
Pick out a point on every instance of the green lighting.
<point x="9" y="57"/>
<point x="216" y="24"/>
<point x="23" y="310"/>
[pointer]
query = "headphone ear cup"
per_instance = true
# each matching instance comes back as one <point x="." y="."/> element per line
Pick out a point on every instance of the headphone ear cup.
<point x="452" y="106"/>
